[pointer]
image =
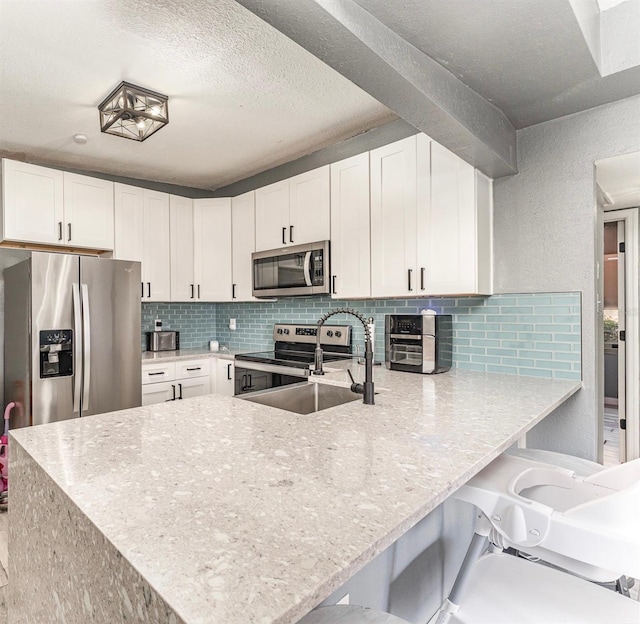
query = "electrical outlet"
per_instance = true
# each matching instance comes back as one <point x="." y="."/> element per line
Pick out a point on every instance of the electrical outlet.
<point x="232" y="323"/>
<point x="344" y="600"/>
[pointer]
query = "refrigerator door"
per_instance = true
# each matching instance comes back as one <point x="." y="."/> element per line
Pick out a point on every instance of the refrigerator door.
<point x="110" y="296"/>
<point x="53" y="279"/>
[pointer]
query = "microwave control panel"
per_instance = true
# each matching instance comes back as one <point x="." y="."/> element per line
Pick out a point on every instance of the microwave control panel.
<point x="317" y="262"/>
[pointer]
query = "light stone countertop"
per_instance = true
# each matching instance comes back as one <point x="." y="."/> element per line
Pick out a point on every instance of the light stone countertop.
<point x="236" y="512"/>
<point x="155" y="357"/>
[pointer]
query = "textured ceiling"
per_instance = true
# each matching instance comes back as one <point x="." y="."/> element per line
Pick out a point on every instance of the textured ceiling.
<point x="528" y="57"/>
<point x="243" y="98"/>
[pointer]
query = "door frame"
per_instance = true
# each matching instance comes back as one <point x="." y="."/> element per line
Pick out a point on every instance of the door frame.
<point x="631" y="218"/>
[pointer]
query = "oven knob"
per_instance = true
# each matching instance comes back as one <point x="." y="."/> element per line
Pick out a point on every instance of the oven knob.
<point x="329" y="333"/>
<point x="286" y="331"/>
<point x="338" y="333"/>
<point x="280" y="330"/>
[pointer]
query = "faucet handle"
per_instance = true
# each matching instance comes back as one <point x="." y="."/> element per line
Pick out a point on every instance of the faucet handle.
<point x="353" y="381"/>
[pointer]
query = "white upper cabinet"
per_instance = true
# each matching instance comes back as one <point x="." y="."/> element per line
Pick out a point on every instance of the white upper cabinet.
<point x="309" y="207"/>
<point x="243" y="244"/>
<point x="393" y="219"/>
<point x="212" y="249"/>
<point x="156" y="264"/>
<point x="272" y="216"/>
<point x="46" y="206"/>
<point x="32" y="199"/>
<point x="88" y="212"/>
<point x="350" y="236"/>
<point x="295" y="211"/>
<point x="430" y="222"/>
<point x="459" y="244"/>
<point x="183" y="285"/>
<point x="128" y="203"/>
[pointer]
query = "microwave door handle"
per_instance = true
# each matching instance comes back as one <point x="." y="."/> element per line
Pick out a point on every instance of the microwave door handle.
<point x="307" y="268"/>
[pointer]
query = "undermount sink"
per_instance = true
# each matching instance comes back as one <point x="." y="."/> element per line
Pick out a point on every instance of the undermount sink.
<point x="304" y="398"/>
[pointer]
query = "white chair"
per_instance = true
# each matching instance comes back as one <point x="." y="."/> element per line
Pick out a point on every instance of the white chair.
<point x="585" y="524"/>
<point x="349" y="614"/>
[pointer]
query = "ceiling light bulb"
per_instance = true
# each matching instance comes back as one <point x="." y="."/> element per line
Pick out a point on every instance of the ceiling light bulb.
<point x="155" y="110"/>
<point x="140" y="124"/>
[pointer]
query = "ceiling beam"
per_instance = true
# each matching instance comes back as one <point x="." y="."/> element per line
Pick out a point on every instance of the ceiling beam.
<point x="414" y="86"/>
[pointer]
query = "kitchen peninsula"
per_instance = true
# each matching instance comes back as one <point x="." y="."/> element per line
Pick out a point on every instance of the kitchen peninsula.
<point x="216" y="509"/>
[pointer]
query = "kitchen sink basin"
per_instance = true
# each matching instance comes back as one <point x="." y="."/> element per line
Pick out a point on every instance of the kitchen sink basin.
<point x="304" y="398"/>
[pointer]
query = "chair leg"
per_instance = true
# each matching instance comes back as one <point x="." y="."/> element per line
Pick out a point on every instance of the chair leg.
<point x="476" y="548"/>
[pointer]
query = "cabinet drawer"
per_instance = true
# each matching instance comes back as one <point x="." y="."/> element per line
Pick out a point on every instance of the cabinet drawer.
<point x="192" y="368"/>
<point x="154" y="373"/>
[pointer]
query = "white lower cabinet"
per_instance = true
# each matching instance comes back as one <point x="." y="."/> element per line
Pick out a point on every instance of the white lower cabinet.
<point x="225" y="377"/>
<point x="175" y="380"/>
<point x="158" y="392"/>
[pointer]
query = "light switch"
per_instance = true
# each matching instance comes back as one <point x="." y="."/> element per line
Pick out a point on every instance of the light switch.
<point x="232" y="323"/>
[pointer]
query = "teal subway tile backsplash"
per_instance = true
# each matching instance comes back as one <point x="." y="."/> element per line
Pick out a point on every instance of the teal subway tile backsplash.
<point x="526" y="334"/>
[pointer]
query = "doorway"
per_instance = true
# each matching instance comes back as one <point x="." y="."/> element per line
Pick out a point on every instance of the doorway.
<point x="620" y="331"/>
<point x="613" y="322"/>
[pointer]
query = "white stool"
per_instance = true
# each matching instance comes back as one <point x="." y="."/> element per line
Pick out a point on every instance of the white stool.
<point x="349" y="614"/>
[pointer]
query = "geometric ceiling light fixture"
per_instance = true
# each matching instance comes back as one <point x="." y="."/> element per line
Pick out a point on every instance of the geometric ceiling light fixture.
<point x="133" y="112"/>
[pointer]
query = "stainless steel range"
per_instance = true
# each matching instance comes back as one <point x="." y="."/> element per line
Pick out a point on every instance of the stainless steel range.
<point x="292" y="355"/>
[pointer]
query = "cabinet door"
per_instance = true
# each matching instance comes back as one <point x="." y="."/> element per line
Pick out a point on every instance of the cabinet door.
<point x="128" y="203"/>
<point x="156" y="266"/>
<point x="350" y="237"/>
<point x="243" y="244"/>
<point x="188" y="388"/>
<point x="158" y="392"/>
<point x="32" y="199"/>
<point x="454" y="242"/>
<point x="393" y="219"/>
<point x="272" y="216"/>
<point x="88" y="212"/>
<point x="225" y="382"/>
<point x="212" y="250"/>
<point x="183" y="286"/>
<point x="309" y="207"/>
<point x="424" y="261"/>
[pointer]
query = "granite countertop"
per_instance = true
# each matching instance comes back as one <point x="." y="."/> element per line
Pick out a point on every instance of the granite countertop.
<point x="149" y="357"/>
<point x="236" y="512"/>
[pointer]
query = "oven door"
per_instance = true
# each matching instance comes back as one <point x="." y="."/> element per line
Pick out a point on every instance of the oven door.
<point x="295" y="270"/>
<point x="254" y="376"/>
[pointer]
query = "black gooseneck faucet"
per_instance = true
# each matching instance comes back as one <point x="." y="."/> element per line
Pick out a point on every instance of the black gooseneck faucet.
<point x="365" y="389"/>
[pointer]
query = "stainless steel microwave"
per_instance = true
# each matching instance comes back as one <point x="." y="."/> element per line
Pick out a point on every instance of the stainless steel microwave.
<point x="296" y="270"/>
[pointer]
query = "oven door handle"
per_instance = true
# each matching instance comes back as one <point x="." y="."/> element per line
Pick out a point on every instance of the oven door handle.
<point x="291" y="371"/>
<point x="307" y="268"/>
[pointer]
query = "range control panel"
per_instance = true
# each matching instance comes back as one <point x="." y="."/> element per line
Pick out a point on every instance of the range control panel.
<point x="56" y="353"/>
<point x="337" y="335"/>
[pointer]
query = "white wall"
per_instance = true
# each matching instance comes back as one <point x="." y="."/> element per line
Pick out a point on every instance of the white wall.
<point x="545" y="229"/>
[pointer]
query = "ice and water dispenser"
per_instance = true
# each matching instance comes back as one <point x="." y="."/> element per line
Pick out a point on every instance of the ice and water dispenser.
<point x="56" y="353"/>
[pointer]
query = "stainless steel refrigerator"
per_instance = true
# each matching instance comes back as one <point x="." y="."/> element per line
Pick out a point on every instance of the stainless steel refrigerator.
<point x="72" y="337"/>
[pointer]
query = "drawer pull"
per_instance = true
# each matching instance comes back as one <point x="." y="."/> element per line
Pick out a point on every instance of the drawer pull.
<point x="194" y="368"/>
<point x="152" y="374"/>
<point x="229" y="372"/>
<point x="180" y="386"/>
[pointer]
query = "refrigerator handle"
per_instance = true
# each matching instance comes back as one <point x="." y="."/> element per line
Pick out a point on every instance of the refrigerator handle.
<point x="86" y="336"/>
<point x="77" y="354"/>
